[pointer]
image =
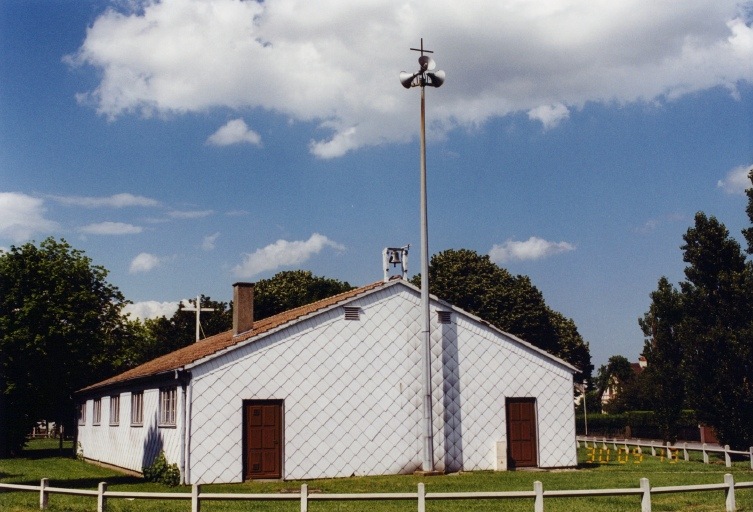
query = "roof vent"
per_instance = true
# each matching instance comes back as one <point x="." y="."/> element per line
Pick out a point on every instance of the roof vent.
<point x="352" y="312"/>
<point x="445" y="317"/>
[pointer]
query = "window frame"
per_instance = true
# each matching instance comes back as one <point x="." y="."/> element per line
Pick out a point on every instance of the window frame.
<point x="137" y="409"/>
<point x="115" y="410"/>
<point x="168" y="406"/>
<point x="97" y="412"/>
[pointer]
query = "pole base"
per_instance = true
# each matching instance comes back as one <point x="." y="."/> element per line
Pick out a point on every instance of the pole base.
<point x="421" y="472"/>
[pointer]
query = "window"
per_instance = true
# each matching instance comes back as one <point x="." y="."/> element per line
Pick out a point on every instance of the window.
<point x="168" y="401"/>
<point x="137" y="408"/>
<point x="97" y="416"/>
<point x="115" y="410"/>
<point x="82" y="414"/>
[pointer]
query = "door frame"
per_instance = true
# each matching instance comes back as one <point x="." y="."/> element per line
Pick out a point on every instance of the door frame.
<point x="534" y="431"/>
<point x="244" y="423"/>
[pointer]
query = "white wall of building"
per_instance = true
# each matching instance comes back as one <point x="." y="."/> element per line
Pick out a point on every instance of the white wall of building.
<point x="125" y="445"/>
<point x="353" y="399"/>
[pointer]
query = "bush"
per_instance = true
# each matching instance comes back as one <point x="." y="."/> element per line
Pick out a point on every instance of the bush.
<point x="162" y="472"/>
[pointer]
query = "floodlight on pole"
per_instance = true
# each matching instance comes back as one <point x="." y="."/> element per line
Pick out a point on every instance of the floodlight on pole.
<point x="426" y="75"/>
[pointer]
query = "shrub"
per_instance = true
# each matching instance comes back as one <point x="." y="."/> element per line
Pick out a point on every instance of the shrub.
<point x="162" y="472"/>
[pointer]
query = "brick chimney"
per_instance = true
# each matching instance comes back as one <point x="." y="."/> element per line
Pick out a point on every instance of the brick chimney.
<point x="243" y="307"/>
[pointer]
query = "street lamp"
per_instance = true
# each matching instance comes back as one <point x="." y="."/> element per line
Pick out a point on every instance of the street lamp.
<point x="423" y="77"/>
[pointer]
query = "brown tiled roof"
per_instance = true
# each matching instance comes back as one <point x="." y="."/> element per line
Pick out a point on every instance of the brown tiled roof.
<point x="208" y="346"/>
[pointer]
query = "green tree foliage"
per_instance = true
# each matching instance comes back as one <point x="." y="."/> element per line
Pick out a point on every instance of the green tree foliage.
<point x="293" y="288"/>
<point x="748" y="232"/>
<point x="60" y="329"/>
<point x="512" y="303"/>
<point x="665" y="384"/>
<point x="717" y="331"/>
<point x="702" y="335"/>
<point x="617" y="374"/>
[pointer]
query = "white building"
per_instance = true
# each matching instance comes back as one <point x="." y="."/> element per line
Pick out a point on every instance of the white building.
<point x="334" y="389"/>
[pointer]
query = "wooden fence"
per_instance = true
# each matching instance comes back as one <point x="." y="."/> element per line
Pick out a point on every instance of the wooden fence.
<point x="667" y="450"/>
<point x="538" y="495"/>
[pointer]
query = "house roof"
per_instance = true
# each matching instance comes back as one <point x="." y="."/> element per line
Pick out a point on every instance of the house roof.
<point x="213" y="345"/>
<point x="207" y="347"/>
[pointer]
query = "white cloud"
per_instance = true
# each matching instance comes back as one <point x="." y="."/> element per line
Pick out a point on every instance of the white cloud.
<point x="111" y="228"/>
<point x="151" y="309"/>
<point x="208" y="244"/>
<point x="144" y="262"/>
<point x="21" y="216"/>
<point x="190" y="214"/>
<point x="283" y="253"/>
<point x="549" y="115"/>
<point x="234" y="132"/>
<point x="335" y="62"/>
<point x="532" y="249"/>
<point x="736" y="180"/>
<point x="114" y="201"/>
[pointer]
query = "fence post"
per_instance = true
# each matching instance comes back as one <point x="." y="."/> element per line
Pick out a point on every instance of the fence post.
<point x="538" y="500"/>
<point x="685" y="454"/>
<point x="730" y="505"/>
<point x="604" y="443"/>
<point x="653" y="449"/>
<point x="421" y="497"/>
<point x="750" y="450"/>
<point x="705" y="454"/>
<point x="43" y="496"/>
<point x="195" y="503"/>
<point x="304" y="498"/>
<point x="727" y="458"/>
<point x="101" y="500"/>
<point x="646" y="497"/>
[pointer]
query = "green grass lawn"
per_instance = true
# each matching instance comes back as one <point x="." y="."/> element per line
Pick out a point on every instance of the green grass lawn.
<point x="42" y="459"/>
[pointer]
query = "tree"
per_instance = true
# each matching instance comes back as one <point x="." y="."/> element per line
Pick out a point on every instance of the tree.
<point x="618" y="376"/>
<point x="293" y="288"/>
<point x="512" y="303"/>
<point x="717" y="331"/>
<point x="663" y="350"/>
<point x="60" y="324"/>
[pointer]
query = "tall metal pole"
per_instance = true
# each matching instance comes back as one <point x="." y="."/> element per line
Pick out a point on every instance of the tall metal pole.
<point x="428" y="462"/>
<point x="585" y="399"/>
<point x="426" y="75"/>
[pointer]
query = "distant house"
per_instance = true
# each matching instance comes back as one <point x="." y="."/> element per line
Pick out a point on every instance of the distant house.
<point x="333" y="389"/>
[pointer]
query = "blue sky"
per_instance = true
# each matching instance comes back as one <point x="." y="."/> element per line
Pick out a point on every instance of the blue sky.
<point x="186" y="145"/>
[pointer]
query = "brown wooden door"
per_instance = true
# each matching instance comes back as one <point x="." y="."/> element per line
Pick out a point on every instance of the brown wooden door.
<point x="521" y="433"/>
<point x="262" y="438"/>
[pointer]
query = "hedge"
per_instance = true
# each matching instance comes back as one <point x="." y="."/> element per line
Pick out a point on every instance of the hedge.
<point x="636" y="424"/>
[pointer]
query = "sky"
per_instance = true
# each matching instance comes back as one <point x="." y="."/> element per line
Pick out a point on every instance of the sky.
<point x="185" y="145"/>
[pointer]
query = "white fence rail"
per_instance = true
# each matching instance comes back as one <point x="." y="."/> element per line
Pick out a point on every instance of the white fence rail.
<point x="672" y="450"/>
<point x="538" y="495"/>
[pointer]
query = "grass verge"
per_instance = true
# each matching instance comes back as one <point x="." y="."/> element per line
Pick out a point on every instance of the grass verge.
<point x="42" y="460"/>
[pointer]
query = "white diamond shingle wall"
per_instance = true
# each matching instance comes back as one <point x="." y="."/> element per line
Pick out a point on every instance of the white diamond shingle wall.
<point x="352" y="398"/>
<point x="352" y="394"/>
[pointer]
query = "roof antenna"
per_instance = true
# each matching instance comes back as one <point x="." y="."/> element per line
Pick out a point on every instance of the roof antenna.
<point x="395" y="256"/>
